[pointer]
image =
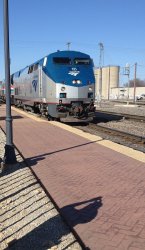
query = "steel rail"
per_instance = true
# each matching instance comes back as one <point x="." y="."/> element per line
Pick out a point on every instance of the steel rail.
<point x="114" y="132"/>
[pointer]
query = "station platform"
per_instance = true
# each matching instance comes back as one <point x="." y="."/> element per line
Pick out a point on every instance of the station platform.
<point x="97" y="185"/>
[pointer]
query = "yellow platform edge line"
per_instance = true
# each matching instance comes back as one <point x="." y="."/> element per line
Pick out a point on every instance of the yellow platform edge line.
<point x="28" y="115"/>
<point x="130" y="152"/>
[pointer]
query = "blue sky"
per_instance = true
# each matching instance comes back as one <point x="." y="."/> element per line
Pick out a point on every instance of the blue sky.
<point x="39" y="27"/>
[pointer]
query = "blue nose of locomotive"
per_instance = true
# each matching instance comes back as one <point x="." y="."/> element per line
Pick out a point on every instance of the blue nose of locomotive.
<point x="71" y="68"/>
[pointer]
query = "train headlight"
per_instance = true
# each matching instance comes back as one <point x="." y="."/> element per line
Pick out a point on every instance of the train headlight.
<point x="90" y="89"/>
<point x="76" y="82"/>
<point x="62" y="88"/>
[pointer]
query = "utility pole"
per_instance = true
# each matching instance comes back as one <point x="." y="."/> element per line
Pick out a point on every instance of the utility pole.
<point x="101" y="59"/>
<point x="68" y="45"/>
<point x="109" y="84"/>
<point x="127" y="72"/>
<point x="135" y="70"/>
<point x="9" y="156"/>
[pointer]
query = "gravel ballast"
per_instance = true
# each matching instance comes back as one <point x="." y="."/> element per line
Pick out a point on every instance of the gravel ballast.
<point x="128" y="126"/>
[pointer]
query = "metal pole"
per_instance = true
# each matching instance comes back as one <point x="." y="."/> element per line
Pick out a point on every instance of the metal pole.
<point x="128" y="89"/>
<point x="9" y="157"/>
<point x="100" y="85"/>
<point x="68" y="44"/>
<point x="135" y="69"/>
<point x="127" y="72"/>
<point x="109" y="84"/>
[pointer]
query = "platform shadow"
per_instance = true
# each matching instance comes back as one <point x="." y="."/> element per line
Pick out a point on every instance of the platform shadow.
<point x="13" y="117"/>
<point x="35" y="159"/>
<point x="81" y="212"/>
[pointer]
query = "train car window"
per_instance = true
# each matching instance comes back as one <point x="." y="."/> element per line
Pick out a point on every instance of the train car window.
<point x="82" y="61"/>
<point x="30" y="69"/>
<point x="62" y="60"/>
<point x="35" y="66"/>
<point x="16" y="91"/>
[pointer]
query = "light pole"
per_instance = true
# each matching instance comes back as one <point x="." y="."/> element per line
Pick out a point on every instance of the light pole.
<point x="101" y="62"/>
<point x="127" y="72"/>
<point x="9" y="156"/>
<point x="68" y="45"/>
<point x="135" y="69"/>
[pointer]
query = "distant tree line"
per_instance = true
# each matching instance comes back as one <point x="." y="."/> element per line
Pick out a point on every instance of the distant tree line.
<point x="139" y="83"/>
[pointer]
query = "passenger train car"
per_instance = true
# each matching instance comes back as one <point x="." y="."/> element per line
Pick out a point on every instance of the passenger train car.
<point x="3" y="92"/>
<point x="58" y="85"/>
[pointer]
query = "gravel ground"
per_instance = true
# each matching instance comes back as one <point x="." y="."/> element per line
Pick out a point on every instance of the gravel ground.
<point x="132" y="127"/>
<point x="129" y="126"/>
<point x="122" y="108"/>
<point x="28" y="219"/>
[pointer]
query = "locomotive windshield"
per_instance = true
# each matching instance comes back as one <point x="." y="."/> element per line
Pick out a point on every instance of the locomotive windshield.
<point x="62" y="60"/>
<point x="82" y="61"/>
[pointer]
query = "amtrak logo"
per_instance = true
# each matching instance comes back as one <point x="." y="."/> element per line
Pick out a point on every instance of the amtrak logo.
<point x="34" y="84"/>
<point x="74" y="72"/>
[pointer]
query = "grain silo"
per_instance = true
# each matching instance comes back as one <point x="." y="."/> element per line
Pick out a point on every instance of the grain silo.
<point x="106" y="79"/>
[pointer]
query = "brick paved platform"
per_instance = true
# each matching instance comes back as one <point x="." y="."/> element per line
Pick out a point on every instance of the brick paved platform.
<point x="99" y="191"/>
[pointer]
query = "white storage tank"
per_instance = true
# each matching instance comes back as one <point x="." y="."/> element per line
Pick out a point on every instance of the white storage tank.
<point x="106" y="78"/>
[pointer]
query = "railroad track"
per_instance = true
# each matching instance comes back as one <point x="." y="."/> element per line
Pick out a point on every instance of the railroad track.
<point x="124" y="138"/>
<point x="123" y="135"/>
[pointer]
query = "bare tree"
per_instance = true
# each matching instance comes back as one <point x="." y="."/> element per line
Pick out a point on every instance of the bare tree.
<point x="139" y="83"/>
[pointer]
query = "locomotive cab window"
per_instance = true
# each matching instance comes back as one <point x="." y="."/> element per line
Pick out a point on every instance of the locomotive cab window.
<point x="62" y="60"/>
<point x="82" y="61"/>
<point x="33" y="68"/>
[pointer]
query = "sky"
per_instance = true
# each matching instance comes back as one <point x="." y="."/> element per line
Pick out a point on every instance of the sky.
<point x="40" y="27"/>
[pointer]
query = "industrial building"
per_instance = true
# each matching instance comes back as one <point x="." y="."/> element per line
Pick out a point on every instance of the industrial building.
<point x="107" y="85"/>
